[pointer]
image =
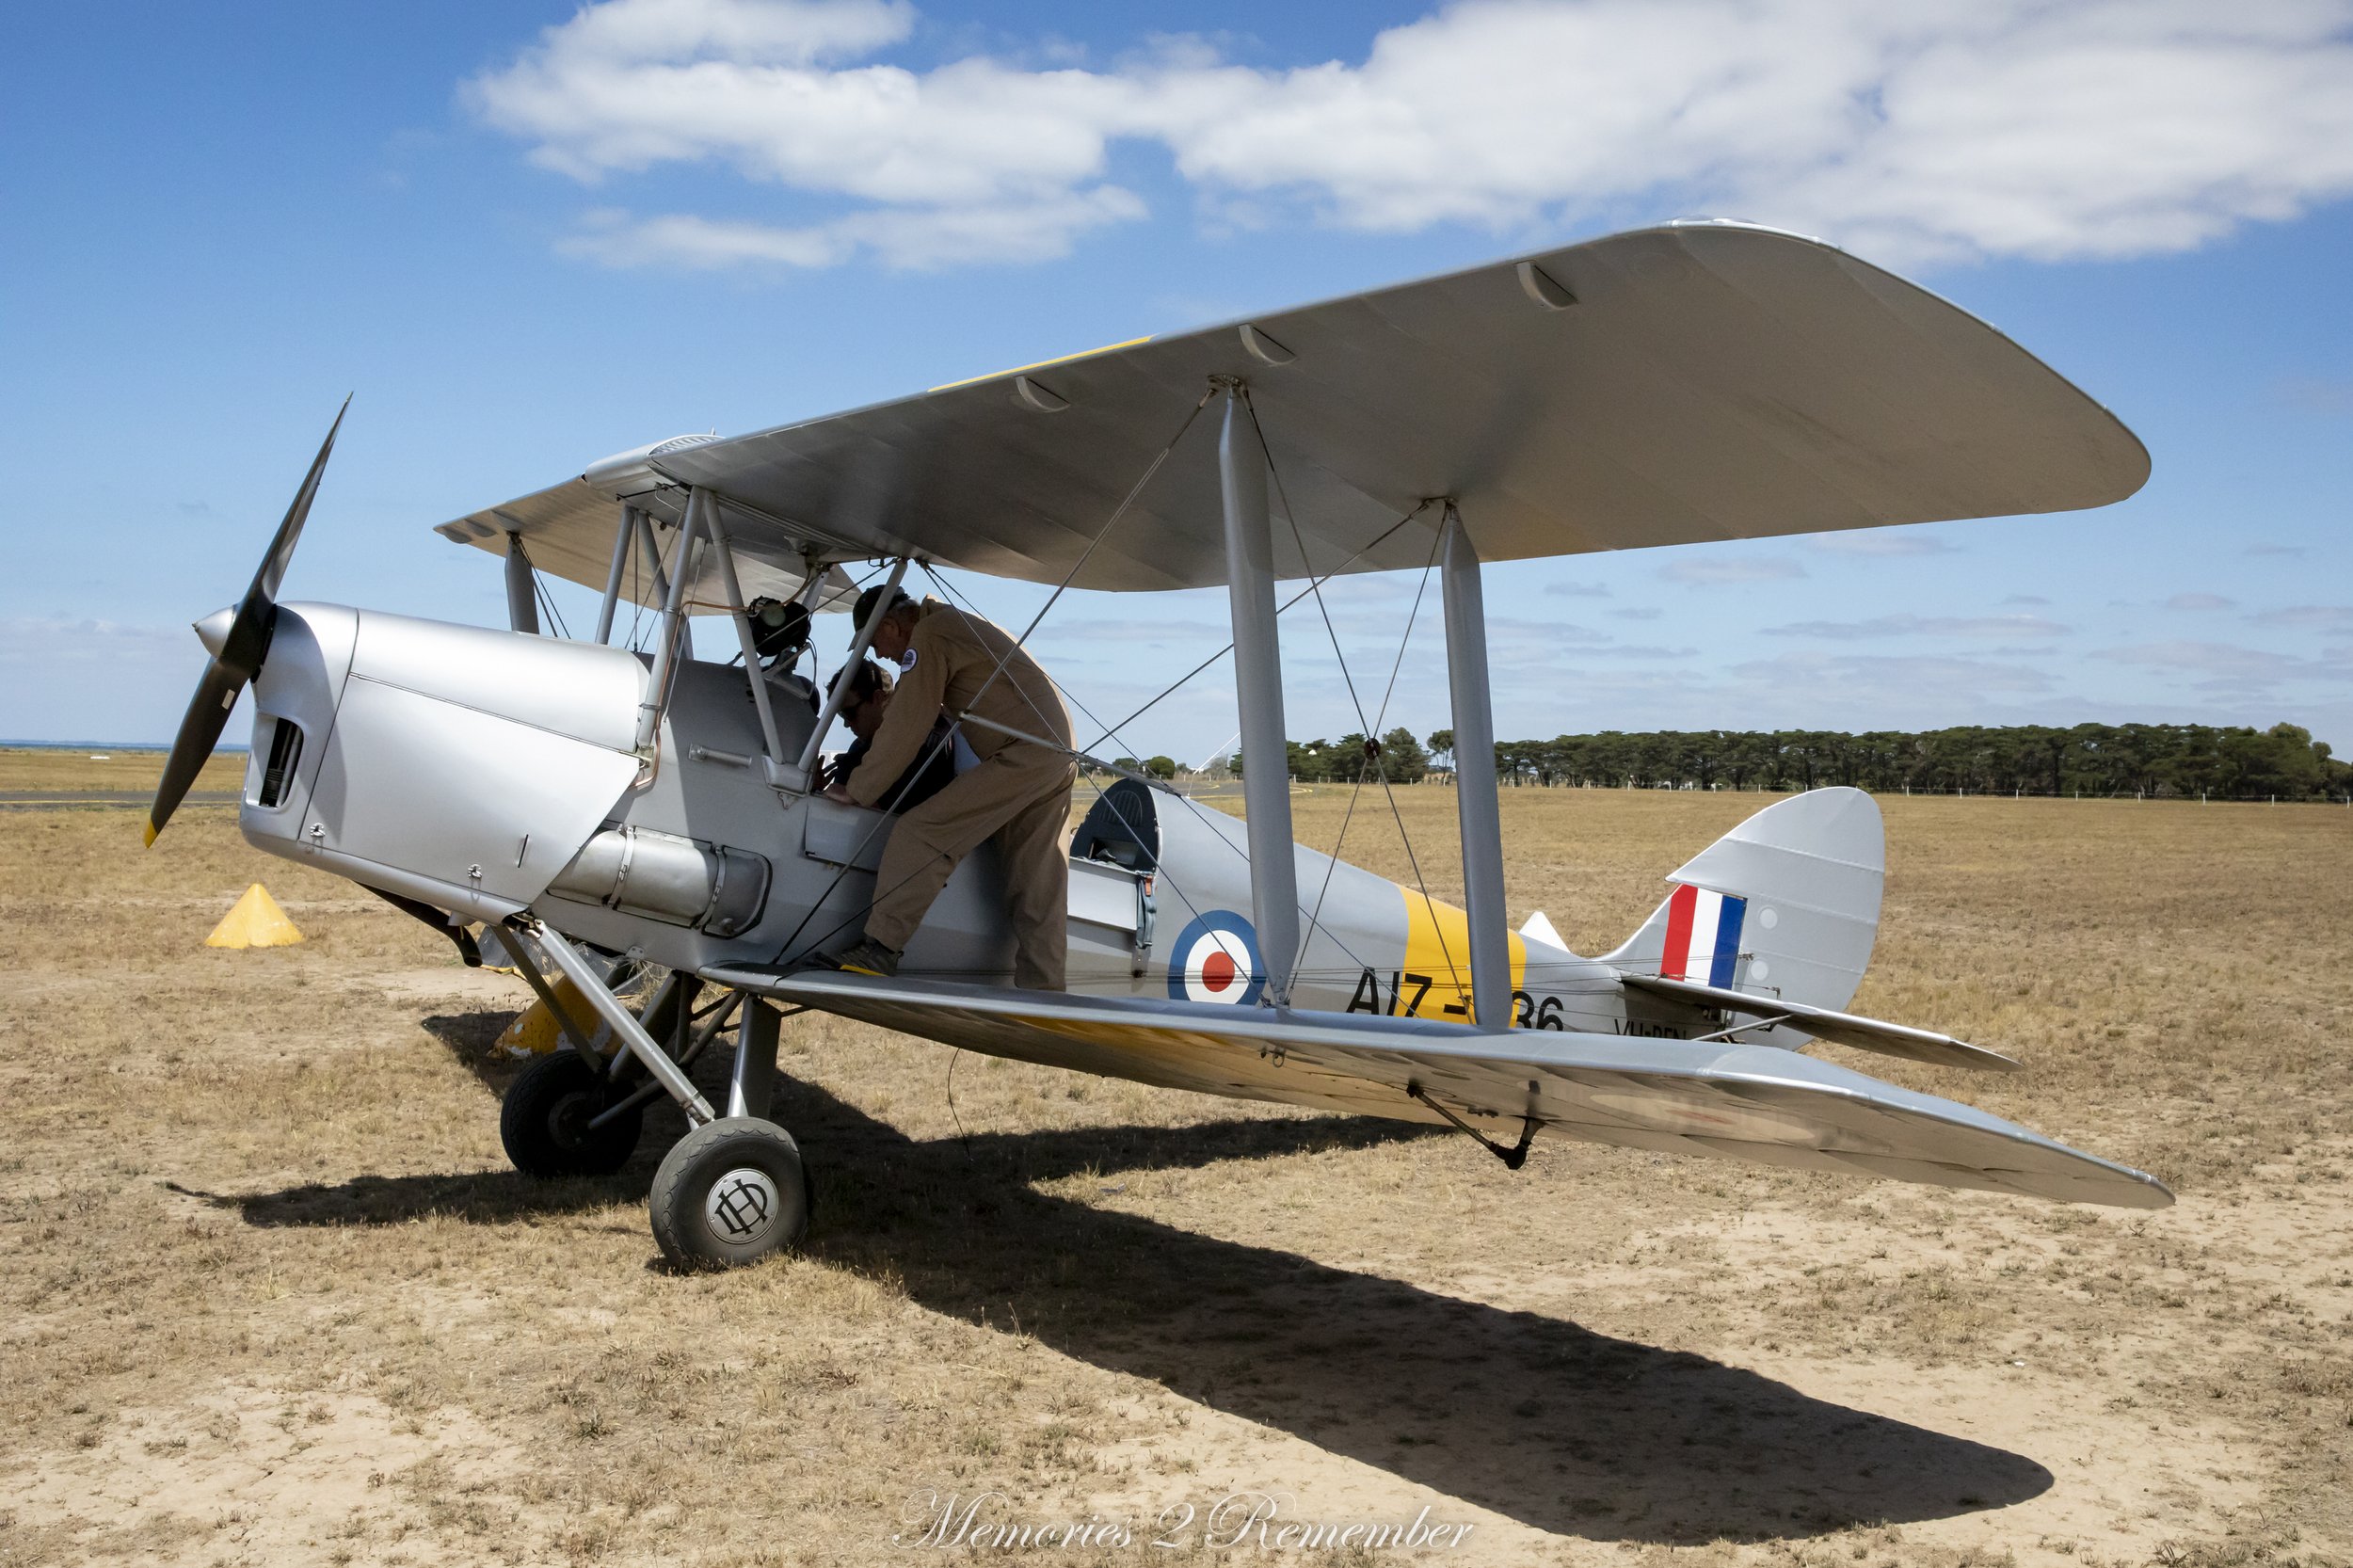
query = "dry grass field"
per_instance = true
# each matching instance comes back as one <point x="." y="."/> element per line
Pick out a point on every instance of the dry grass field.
<point x="25" y="770"/>
<point x="272" y="1295"/>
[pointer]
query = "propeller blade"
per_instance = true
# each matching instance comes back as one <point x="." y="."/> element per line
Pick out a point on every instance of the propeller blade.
<point x="248" y="634"/>
<point x="242" y="650"/>
<point x="199" y="731"/>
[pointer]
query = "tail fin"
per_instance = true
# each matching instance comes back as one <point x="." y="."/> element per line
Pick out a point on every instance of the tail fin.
<point x="1787" y="904"/>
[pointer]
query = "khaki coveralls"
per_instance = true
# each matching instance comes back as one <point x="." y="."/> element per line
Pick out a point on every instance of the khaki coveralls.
<point x="1019" y="796"/>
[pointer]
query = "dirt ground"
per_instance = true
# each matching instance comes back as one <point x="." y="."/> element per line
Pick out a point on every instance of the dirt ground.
<point x="272" y="1295"/>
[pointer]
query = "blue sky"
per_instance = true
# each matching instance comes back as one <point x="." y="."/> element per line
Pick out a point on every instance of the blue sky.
<point x="528" y="235"/>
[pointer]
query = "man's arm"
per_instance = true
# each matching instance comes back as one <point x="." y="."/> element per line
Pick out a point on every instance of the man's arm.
<point x="907" y="723"/>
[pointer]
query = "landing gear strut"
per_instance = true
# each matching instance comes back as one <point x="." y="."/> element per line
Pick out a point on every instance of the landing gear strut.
<point x="733" y="1190"/>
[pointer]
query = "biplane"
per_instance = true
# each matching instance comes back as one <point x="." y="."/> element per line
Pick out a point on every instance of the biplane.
<point x="605" y="811"/>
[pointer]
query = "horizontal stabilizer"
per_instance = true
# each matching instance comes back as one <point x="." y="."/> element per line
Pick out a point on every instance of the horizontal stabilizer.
<point x="1845" y="1029"/>
<point x="1756" y="1103"/>
<point x="1538" y="929"/>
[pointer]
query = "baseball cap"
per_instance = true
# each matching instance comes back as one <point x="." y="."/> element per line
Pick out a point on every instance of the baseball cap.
<point x="871" y="597"/>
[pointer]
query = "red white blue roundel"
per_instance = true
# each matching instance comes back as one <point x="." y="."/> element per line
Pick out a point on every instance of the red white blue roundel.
<point x="1216" y="959"/>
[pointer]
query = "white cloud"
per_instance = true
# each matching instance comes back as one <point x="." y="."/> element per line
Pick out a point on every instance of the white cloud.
<point x="38" y="642"/>
<point x="71" y="679"/>
<point x="2316" y="394"/>
<point x="1925" y="131"/>
<point x="1883" y="542"/>
<point x="2199" y="601"/>
<point x="1714" y="570"/>
<point x="911" y="239"/>
<point x="1924" y="625"/>
<point x="2224" y="666"/>
<point x="1918" y="682"/>
<point x="1571" y="589"/>
<point x="2323" y="617"/>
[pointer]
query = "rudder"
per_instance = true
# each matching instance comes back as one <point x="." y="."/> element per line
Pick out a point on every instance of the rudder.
<point x="1787" y="904"/>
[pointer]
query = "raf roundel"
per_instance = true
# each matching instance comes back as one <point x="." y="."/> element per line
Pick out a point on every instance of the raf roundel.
<point x="1216" y="959"/>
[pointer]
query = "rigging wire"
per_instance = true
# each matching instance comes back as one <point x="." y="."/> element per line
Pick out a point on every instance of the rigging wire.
<point x="1316" y="587"/>
<point x="965" y="607"/>
<point x="1189" y="803"/>
<point x="1412" y="617"/>
<point x="547" y="601"/>
<point x="636" y="588"/>
<point x="1109" y="523"/>
<point x="1173" y="687"/>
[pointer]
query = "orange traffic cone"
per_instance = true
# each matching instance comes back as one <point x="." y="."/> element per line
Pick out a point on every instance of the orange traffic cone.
<point x="254" y="922"/>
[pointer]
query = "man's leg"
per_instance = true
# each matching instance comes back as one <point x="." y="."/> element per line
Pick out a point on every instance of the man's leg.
<point x="1036" y="847"/>
<point x="925" y="845"/>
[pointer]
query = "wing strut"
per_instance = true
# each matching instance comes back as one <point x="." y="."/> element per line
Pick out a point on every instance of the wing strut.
<point x="1512" y="1157"/>
<point x="1475" y="803"/>
<point x="1266" y="782"/>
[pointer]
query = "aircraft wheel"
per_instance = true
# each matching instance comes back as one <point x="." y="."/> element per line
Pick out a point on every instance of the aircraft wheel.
<point x="544" y="1120"/>
<point x="731" y="1192"/>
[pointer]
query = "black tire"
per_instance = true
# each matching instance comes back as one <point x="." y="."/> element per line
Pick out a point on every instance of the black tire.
<point x="731" y="1192"/>
<point x="544" y="1120"/>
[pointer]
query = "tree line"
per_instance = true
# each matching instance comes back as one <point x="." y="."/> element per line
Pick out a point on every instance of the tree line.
<point x="1398" y="758"/>
<point x="2179" y="760"/>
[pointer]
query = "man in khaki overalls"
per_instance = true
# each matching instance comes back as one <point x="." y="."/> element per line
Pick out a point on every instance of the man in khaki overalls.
<point x="1019" y="793"/>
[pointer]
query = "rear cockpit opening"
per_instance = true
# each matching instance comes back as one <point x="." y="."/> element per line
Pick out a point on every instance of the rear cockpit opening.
<point x="1122" y="828"/>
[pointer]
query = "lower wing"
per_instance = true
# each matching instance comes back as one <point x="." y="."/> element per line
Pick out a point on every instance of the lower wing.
<point x="1756" y="1103"/>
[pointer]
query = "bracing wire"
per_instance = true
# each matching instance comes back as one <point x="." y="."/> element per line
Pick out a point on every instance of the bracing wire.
<point x="966" y="604"/>
<point x="637" y="590"/>
<point x="999" y="669"/>
<point x="1172" y="689"/>
<point x="546" y="603"/>
<point x="1413" y="617"/>
<point x="1315" y="586"/>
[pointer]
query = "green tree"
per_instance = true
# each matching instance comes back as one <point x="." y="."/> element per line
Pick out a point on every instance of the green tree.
<point x="1402" y="759"/>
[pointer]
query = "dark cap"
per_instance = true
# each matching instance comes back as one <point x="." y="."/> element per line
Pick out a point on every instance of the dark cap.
<point x="866" y="602"/>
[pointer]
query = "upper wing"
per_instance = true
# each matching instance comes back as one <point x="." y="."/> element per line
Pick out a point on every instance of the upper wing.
<point x="1757" y="1103"/>
<point x="568" y="530"/>
<point x="1669" y="386"/>
<point x="1845" y="1029"/>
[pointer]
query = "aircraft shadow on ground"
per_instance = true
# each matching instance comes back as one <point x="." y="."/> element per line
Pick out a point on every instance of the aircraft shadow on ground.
<point x="1532" y="1418"/>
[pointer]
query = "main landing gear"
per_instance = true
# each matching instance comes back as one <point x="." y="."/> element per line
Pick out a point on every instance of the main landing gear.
<point x="730" y="1191"/>
<point x="553" y="1120"/>
<point x="733" y="1190"/>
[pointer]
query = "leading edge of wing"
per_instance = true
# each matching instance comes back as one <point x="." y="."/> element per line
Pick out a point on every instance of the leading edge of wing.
<point x="1705" y="382"/>
<point x="1756" y="1103"/>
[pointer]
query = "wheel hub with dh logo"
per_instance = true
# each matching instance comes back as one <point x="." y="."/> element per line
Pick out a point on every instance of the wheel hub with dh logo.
<point x="743" y="1205"/>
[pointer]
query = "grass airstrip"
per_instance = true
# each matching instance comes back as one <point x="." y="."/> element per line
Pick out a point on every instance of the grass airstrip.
<point x="272" y="1295"/>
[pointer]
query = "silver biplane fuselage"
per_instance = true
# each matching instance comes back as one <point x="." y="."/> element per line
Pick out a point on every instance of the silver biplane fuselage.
<point x="492" y="775"/>
<point x="594" y="804"/>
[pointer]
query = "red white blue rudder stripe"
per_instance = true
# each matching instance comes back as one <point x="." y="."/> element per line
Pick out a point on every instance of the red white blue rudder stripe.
<point x="1703" y="936"/>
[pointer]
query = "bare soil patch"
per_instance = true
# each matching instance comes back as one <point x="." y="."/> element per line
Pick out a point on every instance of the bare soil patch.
<point x="273" y="1296"/>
